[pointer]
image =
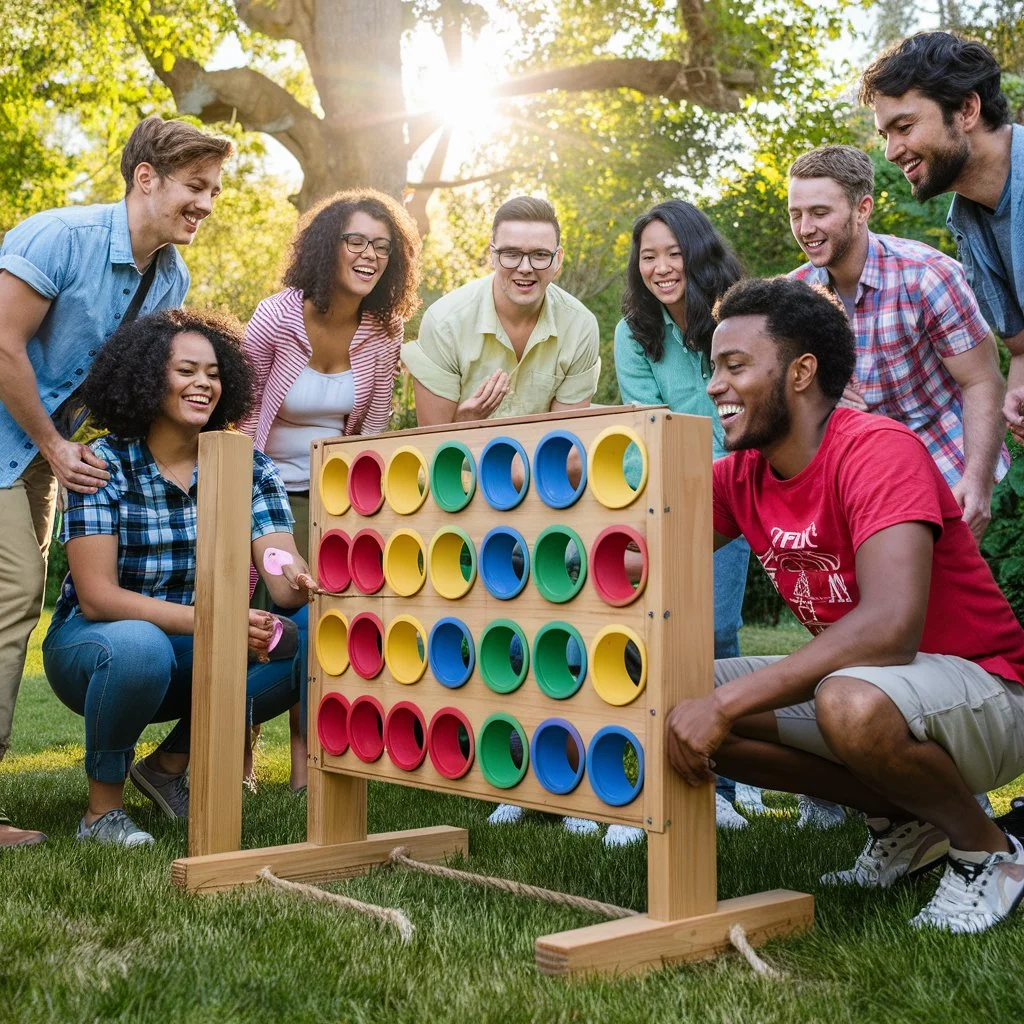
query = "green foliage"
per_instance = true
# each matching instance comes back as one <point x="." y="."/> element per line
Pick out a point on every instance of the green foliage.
<point x="1003" y="543"/>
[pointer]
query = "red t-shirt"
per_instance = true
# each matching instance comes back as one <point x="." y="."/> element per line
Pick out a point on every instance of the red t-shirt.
<point x="869" y="473"/>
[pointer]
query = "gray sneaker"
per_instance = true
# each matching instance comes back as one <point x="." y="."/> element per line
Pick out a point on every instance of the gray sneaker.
<point x="115" y="828"/>
<point x="168" y="792"/>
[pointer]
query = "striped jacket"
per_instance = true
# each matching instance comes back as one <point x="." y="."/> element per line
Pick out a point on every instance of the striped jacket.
<point x="277" y="345"/>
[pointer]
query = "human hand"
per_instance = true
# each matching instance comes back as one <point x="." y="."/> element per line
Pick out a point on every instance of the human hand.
<point x="1012" y="407"/>
<point x="485" y="399"/>
<point x="976" y="503"/>
<point x="695" y="730"/>
<point x="76" y="466"/>
<point x="300" y="578"/>
<point x="853" y="399"/>
<point x="261" y="630"/>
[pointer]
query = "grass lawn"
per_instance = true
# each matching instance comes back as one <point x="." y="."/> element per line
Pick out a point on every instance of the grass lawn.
<point x="88" y="933"/>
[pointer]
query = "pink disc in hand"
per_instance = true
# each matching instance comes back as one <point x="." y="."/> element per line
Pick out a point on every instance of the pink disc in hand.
<point x="274" y="561"/>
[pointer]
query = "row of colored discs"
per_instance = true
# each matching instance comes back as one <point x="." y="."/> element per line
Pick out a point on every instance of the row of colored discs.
<point x="559" y="563"/>
<point x="613" y="761"/>
<point x="615" y="466"/>
<point x="616" y="661"/>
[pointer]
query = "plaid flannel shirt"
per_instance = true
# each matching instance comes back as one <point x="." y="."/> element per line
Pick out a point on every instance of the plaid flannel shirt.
<point x="913" y="309"/>
<point x="155" y="522"/>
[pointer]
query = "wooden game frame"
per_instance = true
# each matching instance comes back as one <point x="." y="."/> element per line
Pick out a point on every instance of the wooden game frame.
<point x="673" y="615"/>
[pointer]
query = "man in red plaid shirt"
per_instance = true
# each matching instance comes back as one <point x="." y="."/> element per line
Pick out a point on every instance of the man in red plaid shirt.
<point x="925" y="355"/>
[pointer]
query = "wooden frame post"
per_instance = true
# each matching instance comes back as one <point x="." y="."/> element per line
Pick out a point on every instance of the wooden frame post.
<point x="223" y="546"/>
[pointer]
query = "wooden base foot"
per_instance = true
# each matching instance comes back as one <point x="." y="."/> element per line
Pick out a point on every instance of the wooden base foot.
<point x="634" y="944"/>
<point x="306" y="862"/>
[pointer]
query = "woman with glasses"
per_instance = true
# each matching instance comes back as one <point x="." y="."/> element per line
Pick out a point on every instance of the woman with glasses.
<point x="325" y="348"/>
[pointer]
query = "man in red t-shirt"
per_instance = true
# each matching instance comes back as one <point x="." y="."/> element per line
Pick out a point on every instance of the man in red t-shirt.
<point x="909" y="698"/>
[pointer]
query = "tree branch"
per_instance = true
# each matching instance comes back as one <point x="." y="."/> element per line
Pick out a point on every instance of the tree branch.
<point x="669" y="78"/>
<point x="417" y="186"/>
<point x="279" y="19"/>
<point x="246" y="96"/>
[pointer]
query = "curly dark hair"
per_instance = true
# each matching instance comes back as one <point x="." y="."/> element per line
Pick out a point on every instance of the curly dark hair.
<point x="799" y="318"/>
<point x="128" y="379"/>
<point x="710" y="267"/>
<point x="943" y="67"/>
<point x="314" y="254"/>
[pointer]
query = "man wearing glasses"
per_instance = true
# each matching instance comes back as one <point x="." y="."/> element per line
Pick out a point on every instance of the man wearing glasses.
<point x="512" y="343"/>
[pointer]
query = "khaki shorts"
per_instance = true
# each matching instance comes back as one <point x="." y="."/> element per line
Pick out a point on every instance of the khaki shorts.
<point x="976" y="717"/>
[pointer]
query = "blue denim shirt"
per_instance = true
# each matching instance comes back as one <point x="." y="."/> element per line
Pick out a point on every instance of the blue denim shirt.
<point x="1000" y="306"/>
<point x="80" y="258"/>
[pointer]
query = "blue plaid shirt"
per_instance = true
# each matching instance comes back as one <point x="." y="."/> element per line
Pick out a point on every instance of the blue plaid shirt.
<point x="155" y="522"/>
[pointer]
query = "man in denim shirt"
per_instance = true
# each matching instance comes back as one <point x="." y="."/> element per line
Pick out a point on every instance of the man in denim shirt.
<point x="68" y="278"/>
<point x="938" y="105"/>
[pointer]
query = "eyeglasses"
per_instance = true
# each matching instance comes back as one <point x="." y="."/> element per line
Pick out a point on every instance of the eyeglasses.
<point x="510" y="259"/>
<point x="357" y="244"/>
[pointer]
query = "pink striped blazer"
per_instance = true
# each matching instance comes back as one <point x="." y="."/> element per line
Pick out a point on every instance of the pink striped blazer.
<point x="277" y="344"/>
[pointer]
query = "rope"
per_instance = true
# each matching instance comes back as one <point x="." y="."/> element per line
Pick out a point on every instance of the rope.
<point x="737" y="936"/>
<point x="385" y="915"/>
<point x="399" y="856"/>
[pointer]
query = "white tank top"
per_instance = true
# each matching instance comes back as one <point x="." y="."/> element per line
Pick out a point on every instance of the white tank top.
<point x="315" y="407"/>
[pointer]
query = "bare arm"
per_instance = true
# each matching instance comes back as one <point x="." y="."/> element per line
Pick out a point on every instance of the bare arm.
<point x="1013" y="407"/>
<point x="432" y="410"/>
<point x="976" y="371"/>
<point x="296" y="584"/>
<point x="23" y="309"/>
<point x="893" y="576"/>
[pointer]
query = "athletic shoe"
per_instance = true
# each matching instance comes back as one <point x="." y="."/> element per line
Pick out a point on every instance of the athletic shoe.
<point x="726" y="816"/>
<point x="11" y="837"/>
<point x="897" y="850"/>
<point x="579" y="826"/>
<point x="168" y="792"/>
<point x="622" y="835"/>
<point x="972" y="897"/>
<point x="505" y="814"/>
<point x="748" y="799"/>
<point x="115" y="828"/>
<point x="818" y="813"/>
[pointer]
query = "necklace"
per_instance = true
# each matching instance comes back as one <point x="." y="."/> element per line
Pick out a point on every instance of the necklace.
<point x="174" y="476"/>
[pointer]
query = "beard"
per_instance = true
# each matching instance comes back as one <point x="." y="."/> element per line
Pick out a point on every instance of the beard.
<point x="771" y="424"/>
<point x="943" y="169"/>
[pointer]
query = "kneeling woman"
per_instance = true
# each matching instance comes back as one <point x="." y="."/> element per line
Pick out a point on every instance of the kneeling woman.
<point x="119" y="647"/>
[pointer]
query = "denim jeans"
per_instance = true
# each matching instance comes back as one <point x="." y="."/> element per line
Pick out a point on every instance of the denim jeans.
<point x="121" y="676"/>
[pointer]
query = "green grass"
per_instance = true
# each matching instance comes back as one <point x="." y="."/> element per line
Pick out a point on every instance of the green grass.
<point x="89" y="934"/>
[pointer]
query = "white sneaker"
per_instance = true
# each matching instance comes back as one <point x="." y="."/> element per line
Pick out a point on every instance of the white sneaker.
<point x="726" y="816"/>
<point x="748" y="799"/>
<point x="972" y="897"/>
<point x="114" y="828"/>
<point x="818" y="813"/>
<point x="579" y="826"/>
<point x="622" y="835"/>
<point x="895" y="851"/>
<point x="505" y="814"/>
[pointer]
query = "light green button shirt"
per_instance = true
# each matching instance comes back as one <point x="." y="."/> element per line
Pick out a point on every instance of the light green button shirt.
<point x="462" y="343"/>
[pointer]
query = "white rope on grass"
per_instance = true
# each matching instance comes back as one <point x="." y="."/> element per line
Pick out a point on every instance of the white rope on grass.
<point x="386" y="915"/>
<point x="737" y="935"/>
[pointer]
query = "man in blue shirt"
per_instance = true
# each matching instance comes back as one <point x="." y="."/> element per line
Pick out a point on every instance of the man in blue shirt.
<point x="938" y="105"/>
<point x="68" y="278"/>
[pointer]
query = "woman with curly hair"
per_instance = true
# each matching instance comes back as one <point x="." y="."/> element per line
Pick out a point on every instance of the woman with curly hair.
<point x="119" y="647"/>
<point x="325" y="348"/>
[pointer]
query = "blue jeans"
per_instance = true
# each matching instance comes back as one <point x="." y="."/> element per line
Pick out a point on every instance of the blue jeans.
<point x="730" y="569"/>
<point x="121" y="676"/>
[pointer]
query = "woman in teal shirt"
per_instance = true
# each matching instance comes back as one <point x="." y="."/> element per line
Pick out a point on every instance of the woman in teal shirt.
<point x="679" y="266"/>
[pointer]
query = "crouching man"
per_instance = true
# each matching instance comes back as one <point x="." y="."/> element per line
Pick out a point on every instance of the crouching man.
<point x="909" y="697"/>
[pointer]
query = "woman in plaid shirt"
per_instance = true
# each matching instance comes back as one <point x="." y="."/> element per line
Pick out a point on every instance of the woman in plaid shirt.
<point x="119" y="647"/>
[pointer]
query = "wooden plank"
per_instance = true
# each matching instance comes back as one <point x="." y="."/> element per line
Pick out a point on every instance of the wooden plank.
<point x="310" y="862"/>
<point x="681" y="868"/>
<point x="635" y="944"/>
<point x="221" y="630"/>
